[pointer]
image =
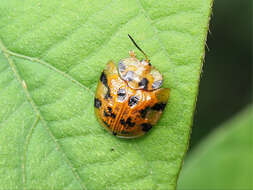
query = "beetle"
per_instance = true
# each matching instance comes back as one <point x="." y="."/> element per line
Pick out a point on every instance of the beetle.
<point x="129" y="99"/>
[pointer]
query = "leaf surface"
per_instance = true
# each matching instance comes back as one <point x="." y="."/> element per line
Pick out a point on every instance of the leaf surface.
<point x="52" y="54"/>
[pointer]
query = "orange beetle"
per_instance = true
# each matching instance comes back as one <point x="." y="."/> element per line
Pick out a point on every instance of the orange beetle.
<point x="129" y="99"/>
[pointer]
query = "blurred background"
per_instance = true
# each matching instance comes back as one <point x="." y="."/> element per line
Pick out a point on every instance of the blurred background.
<point x="220" y="155"/>
<point x="221" y="146"/>
<point x="225" y="87"/>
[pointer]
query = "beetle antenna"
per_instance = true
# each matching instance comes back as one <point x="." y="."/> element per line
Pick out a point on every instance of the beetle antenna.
<point x="138" y="47"/>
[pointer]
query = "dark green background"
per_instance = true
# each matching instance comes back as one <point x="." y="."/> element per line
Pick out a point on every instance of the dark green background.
<point x="225" y="86"/>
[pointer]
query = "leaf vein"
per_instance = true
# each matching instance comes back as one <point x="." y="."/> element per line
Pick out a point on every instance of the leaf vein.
<point x="64" y="38"/>
<point x="154" y="28"/>
<point x="36" y="110"/>
<point x="165" y="16"/>
<point x="36" y="60"/>
<point x="105" y="43"/>
<point x="27" y="141"/>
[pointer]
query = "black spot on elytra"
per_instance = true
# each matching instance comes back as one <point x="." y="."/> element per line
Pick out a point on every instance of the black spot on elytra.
<point x="103" y="79"/>
<point x="108" y="93"/>
<point x="109" y="113"/>
<point x="122" y="122"/>
<point x="143" y="83"/>
<point x="106" y="124"/>
<point x="114" y="133"/>
<point x="159" y="106"/>
<point x="143" y="112"/>
<point x="129" y="123"/>
<point x="97" y="103"/>
<point x="109" y="109"/>
<point x="121" y="94"/>
<point x="106" y="114"/>
<point x="133" y="101"/>
<point x="146" y="127"/>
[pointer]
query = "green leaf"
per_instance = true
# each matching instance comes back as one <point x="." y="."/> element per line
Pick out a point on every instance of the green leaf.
<point x="52" y="54"/>
<point x="224" y="159"/>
